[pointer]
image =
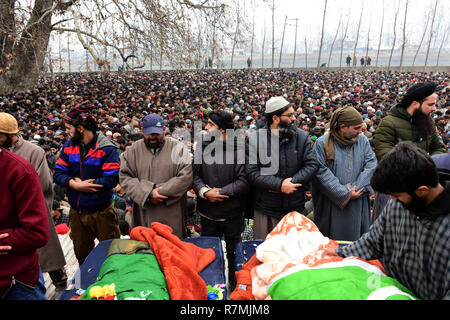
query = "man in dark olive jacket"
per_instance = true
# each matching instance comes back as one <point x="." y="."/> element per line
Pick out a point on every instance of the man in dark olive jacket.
<point x="220" y="183"/>
<point x="279" y="164"/>
<point x="409" y="120"/>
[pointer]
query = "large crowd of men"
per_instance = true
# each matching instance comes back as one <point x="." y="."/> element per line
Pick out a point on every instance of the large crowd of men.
<point x="123" y="151"/>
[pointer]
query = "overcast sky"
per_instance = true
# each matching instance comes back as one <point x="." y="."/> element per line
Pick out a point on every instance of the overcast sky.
<point x="310" y="15"/>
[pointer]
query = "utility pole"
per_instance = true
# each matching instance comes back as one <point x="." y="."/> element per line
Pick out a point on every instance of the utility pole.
<point x="282" y="42"/>
<point x="321" y="37"/>
<point x="262" y="49"/>
<point x="306" y="53"/>
<point x="368" y="38"/>
<point x="273" y="31"/>
<point x="295" y="43"/>
<point x="253" y="32"/>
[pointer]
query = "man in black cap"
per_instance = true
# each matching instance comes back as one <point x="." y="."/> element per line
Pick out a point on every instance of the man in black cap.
<point x="220" y="183"/>
<point x="409" y="120"/>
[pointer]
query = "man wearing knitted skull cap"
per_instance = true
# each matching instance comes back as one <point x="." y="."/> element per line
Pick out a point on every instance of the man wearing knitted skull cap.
<point x="88" y="166"/>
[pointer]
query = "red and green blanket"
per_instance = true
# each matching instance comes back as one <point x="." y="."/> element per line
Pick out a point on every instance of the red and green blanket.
<point x="294" y="263"/>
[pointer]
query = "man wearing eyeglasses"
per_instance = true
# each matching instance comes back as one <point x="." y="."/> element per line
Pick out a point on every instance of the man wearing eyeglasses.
<point x="279" y="164"/>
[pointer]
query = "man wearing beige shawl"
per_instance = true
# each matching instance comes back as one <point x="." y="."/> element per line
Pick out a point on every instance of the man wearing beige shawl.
<point x="156" y="173"/>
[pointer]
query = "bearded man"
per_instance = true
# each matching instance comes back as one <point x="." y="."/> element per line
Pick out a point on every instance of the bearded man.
<point x="341" y="189"/>
<point x="409" y="120"/>
<point x="411" y="236"/>
<point x="156" y="173"/>
<point x="279" y="165"/>
<point x="88" y="166"/>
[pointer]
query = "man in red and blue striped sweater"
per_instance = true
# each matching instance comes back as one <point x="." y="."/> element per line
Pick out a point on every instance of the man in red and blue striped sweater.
<point x="88" y="167"/>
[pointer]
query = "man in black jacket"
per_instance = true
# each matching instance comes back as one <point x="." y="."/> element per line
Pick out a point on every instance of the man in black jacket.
<point x="279" y="163"/>
<point x="220" y="183"/>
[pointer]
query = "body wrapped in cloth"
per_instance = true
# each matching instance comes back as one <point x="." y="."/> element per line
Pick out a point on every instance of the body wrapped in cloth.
<point x="293" y="263"/>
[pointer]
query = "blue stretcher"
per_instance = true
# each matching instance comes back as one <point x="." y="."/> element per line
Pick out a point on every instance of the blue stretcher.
<point x="87" y="274"/>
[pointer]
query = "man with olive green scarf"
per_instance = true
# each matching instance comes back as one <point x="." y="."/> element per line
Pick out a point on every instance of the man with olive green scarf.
<point x="341" y="188"/>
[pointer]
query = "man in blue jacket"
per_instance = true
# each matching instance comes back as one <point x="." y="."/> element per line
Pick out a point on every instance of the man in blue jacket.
<point x="279" y="165"/>
<point x="88" y="167"/>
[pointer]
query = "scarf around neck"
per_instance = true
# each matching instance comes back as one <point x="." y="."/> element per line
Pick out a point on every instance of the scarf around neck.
<point x="347" y="116"/>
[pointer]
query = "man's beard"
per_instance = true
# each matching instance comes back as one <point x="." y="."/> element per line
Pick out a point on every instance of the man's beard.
<point x="287" y="130"/>
<point x="351" y="138"/>
<point x="153" y="143"/>
<point x="8" y="142"/>
<point x="416" y="205"/>
<point x="423" y="122"/>
<point x="77" y="137"/>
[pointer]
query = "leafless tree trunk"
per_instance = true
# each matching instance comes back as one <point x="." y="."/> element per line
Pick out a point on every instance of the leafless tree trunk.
<point x="357" y="33"/>
<point x="235" y="39"/>
<point x="368" y="41"/>
<point x="334" y="39"/>
<point x="213" y="47"/>
<point x="323" y="31"/>
<point x="26" y="25"/>
<point x="404" y="34"/>
<point x="421" y="40"/>
<point x="395" y="34"/>
<point x="161" y="55"/>
<point x="343" y="38"/>
<point x="431" y="33"/>
<point x="50" y="62"/>
<point x="381" y="35"/>
<point x="444" y="40"/>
